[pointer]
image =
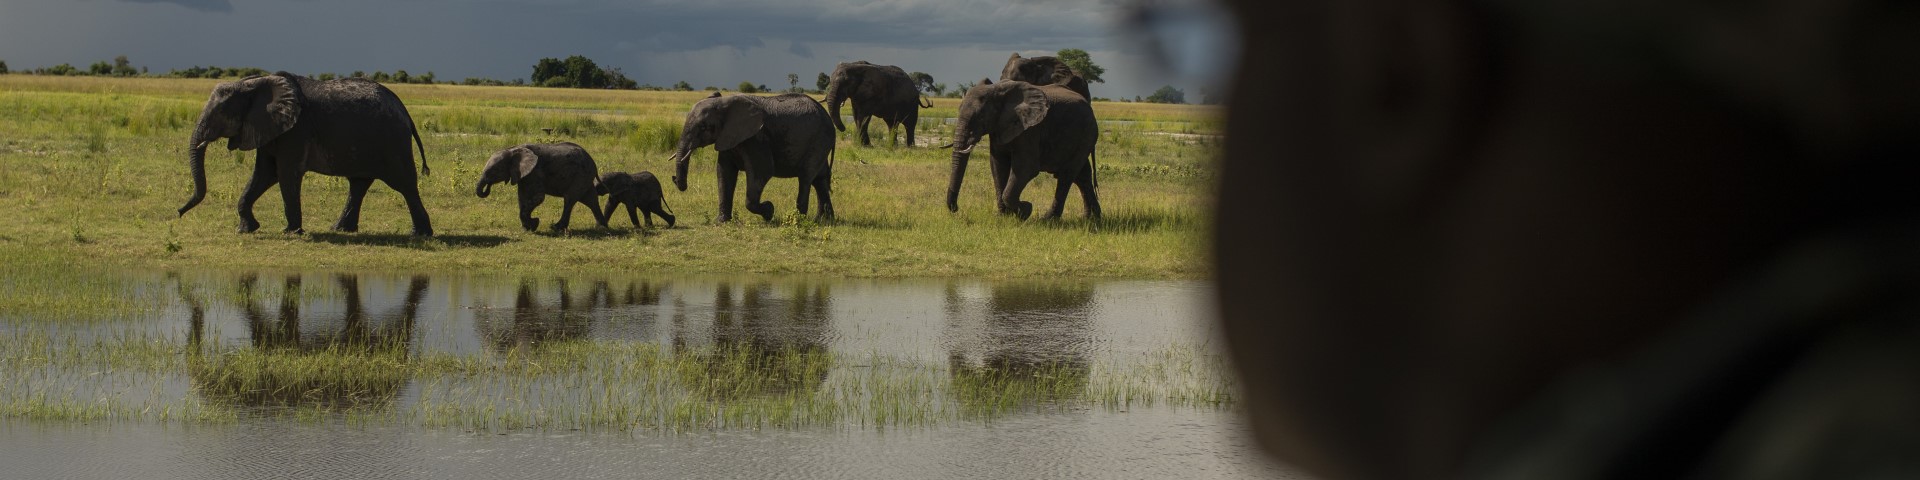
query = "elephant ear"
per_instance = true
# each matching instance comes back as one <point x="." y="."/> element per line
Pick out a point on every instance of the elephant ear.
<point x="275" y="107"/>
<point x="744" y="119"/>
<point x="1026" y="106"/>
<point x="1012" y="69"/>
<point x="527" y="161"/>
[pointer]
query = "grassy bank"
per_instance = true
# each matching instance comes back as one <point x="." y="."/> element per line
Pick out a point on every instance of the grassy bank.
<point x="96" y="168"/>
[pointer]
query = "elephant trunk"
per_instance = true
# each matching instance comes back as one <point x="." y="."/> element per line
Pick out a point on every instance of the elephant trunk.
<point x="680" y="170"/>
<point x="833" y="101"/>
<point x="962" y="151"/>
<point x="483" y="189"/>
<point x="197" y="162"/>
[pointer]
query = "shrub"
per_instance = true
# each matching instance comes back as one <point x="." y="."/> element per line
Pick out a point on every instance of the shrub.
<point x="747" y="87"/>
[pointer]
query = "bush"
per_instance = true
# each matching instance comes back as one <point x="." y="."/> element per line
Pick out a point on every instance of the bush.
<point x="747" y="87"/>
<point x="557" y="82"/>
<point x="683" y="86"/>
<point x="1167" y="94"/>
<point x="3" y="66"/>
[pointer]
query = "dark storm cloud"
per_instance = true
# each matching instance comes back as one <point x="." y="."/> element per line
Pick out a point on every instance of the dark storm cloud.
<point x="705" y="42"/>
<point x="201" y="5"/>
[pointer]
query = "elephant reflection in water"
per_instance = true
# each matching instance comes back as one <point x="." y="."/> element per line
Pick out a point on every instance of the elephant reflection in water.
<point x="1032" y="333"/>
<point x="282" y="341"/>
<point x="761" y="345"/>
<point x="533" y="322"/>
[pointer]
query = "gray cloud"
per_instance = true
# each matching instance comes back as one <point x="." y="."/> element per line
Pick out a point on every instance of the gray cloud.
<point x="201" y="5"/>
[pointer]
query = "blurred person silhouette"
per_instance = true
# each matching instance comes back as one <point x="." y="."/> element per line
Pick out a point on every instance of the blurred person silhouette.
<point x="1564" y="239"/>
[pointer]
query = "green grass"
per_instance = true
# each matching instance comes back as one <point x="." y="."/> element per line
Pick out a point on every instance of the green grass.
<point x="96" y="168"/>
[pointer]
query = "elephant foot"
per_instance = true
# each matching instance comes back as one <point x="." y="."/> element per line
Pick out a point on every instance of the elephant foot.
<point x="1024" y="210"/>
<point x="248" y="225"/>
<point x="764" y="209"/>
<point x="295" y="231"/>
<point x="559" y="227"/>
<point x="668" y="218"/>
<point x="530" y="224"/>
<point x="346" y="228"/>
<point x="423" y="232"/>
<point x="723" y="218"/>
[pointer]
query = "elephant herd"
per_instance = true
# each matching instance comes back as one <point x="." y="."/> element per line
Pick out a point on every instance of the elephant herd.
<point x="1039" y="117"/>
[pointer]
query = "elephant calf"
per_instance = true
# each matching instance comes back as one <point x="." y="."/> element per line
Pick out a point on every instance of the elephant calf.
<point x="540" y="169"/>
<point x="638" y="191"/>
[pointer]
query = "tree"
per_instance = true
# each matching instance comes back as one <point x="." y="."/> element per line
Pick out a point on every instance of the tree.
<point x="618" y="79"/>
<point x="123" y="68"/>
<point x="921" y="81"/>
<point x="793" y="82"/>
<point x="938" y="89"/>
<point x="401" y="76"/>
<point x="683" y="86"/>
<point x="547" y="68"/>
<point x="359" y="74"/>
<point x="323" y="77"/>
<point x="747" y="87"/>
<point x="3" y="66"/>
<point x="381" y="77"/>
<point x="822" y="81"/>
<point x="1167" y="94"/>
<point x="100" y="68"/>
<point x="1081" y="63"/>
<point x="584" y="73"/>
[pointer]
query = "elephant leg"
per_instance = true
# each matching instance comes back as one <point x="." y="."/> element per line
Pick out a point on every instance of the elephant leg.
<point x="594" y="207"/>
<point x="636" y="218"/>
<point x="824" y="184"/>
<point x="1010" y="199"/>
<point x="1000" y="164"/>
<point x="566" y="214"/>
<point x="862" y="124"/>
<point x="913" y="119"/>
<point x="1087" y="194"/>
<point x="800" y="204"/>
<point x="290" y="179"/>
<point x="416" y="209"/>
<point x="729" y="177"/>
<point x="657" y="207"/>
<point x="755" y="185"/>
<point x="350" y="216"/>
<point x="529" y="200"/>
<point x="1062" y="185"/>
<point x="265" y="175"/>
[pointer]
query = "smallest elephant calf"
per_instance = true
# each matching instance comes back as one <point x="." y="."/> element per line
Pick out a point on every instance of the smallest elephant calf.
<point x="638" y="191"/>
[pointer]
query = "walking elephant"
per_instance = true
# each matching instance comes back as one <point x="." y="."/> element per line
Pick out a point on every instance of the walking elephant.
<point x="559" y="169"/>
<point x="883" y="91"/>
<point x="1035" y="128"/>
<point x="349" y="127"/>
<point x="784" y="136"/>
<point x="640" y="192"/>
<point x="1044" y="71"/>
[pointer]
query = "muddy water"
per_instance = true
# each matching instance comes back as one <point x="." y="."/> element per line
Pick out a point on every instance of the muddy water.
<point x="959" y="325"/>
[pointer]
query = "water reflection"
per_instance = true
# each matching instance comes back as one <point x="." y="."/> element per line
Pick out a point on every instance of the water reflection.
<point x="282" y="345"/>
<point x="1032" y="335"/>
<point x="762" y="344"/>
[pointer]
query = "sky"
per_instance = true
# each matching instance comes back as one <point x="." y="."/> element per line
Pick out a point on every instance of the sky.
<point x="660" y="42"/>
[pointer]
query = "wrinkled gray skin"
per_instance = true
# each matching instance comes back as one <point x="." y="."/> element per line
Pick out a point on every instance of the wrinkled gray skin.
<point x="349" y="127"/>
<point x="883" y="91"/>
<point x="638" y="191"/>
<point x="540" y="169"/>
<point x="1044" y="71"/>
<point x="784" y="136"/>
<point x="1034" y="129"/>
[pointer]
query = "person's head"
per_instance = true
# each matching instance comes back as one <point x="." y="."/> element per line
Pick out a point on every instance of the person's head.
<point x="1429" y="210"/>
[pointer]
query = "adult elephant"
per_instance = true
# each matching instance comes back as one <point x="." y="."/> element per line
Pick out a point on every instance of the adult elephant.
<point x="1035" y="128"/>
<point x="349" y="127"/>
<point x="784" y="136"/>
<point x="883" y="91"/>
<point x="1044" y="71"/>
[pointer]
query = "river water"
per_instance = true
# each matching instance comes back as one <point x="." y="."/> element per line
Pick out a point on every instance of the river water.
<point x="954" y="326"/>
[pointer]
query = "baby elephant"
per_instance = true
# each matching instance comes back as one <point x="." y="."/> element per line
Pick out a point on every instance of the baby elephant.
<point x="638" y="191"/>
<point x="559" y="169"/>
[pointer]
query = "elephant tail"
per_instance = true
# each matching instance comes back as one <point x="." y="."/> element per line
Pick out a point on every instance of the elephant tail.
<point x="663" y="206"/>
<point x="1093" y="162"/>
<point x="423" y="149"/>
<point x="925" y="102"/>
